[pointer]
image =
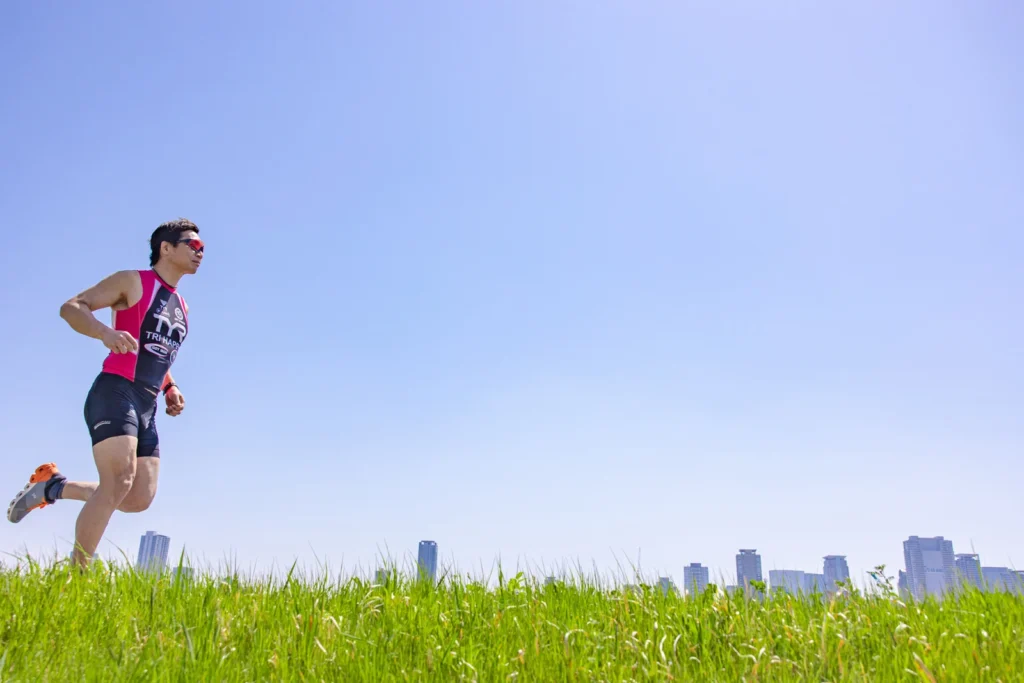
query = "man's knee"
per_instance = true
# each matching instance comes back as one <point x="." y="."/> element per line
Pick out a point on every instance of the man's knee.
<point x="135" y="504"/>
<point x="122" y="481"/>
<point x="147" y="472"/>
<point x="117" y="488"/>
<point x="138" y="500"/>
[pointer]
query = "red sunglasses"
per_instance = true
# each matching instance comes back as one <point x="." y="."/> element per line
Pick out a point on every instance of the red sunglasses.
<point x="195" y="244"/>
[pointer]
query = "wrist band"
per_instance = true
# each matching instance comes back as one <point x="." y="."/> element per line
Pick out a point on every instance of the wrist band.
<point x="168" y="387"/>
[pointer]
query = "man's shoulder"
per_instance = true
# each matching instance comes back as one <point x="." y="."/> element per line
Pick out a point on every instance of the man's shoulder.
<point x="132" y="283"/>
<point x="122" y="279"/>
<point x="129" y="274"/>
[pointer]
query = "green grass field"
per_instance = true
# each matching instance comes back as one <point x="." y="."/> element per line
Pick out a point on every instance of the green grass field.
<point x="116" y="625"/>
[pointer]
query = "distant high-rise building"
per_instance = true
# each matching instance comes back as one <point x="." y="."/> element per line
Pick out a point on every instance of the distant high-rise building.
<point x="968" y="570"/>
<point x="153" y="552"/>
<point x="930" y="566"/>
<point x="381" y="577"/>
<point x="903" y="585"/>
<point x="815" y="583"/>
<point x="748" y="567"/>
<point x="427" y="561"/>
<point x="792" y="581"/>
<point x="998" y="579"/>
<point x="695" y="578"/>
<point x="836" y="570"/>
<point x="549" y="581"/>
<point x="666" y="585"/>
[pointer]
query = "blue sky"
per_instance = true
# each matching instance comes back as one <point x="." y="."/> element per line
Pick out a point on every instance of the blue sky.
<point x="539" y="281"/>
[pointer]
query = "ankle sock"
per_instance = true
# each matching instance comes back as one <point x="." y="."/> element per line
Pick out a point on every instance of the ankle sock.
<point x="54" y="488"/>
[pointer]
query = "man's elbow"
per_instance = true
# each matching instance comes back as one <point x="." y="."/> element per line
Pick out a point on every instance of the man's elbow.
<point x="67" y="308"/>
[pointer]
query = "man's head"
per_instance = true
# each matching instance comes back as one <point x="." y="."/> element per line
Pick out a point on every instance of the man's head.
<point x="177" y="244"/>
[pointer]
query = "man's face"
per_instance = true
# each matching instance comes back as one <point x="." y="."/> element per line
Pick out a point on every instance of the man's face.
<point x="187" y="254"/>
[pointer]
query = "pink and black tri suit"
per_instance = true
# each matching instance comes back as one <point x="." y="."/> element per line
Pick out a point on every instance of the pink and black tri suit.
<point x="123" y="399"/>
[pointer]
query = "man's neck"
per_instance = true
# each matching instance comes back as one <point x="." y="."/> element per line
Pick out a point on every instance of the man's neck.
<point x="168" y="274"/>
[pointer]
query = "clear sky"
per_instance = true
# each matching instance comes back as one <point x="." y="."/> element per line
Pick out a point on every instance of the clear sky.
<point x="542" y="281"/>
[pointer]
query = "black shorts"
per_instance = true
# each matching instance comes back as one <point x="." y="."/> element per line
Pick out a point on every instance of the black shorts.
<point x="117" y="407"/>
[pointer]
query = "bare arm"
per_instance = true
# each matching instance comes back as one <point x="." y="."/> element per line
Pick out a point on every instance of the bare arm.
<point x="114" y="290"/>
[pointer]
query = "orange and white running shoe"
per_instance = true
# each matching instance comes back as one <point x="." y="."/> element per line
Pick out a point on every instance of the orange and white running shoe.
<point x="33" y="496"/>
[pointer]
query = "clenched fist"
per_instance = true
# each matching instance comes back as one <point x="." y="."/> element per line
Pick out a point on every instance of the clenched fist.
<point x="120" y="342"/>
<point x="175" y="401"/>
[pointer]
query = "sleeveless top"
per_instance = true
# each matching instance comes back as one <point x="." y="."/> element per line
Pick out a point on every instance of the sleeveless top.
<point x="159" y="323"/>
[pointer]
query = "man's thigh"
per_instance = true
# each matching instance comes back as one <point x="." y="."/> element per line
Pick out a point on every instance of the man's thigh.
<point x="115" y="460"/>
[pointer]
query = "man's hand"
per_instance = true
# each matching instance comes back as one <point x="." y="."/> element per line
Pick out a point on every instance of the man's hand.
<point x="175" y="402"/>
<point x="120" y="342"/>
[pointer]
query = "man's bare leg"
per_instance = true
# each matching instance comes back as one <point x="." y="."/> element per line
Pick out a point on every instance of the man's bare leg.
<point x="116" y="463"/>
<point x="143" y="491"/>
<point x="119" y="468"/>
<point x="78" y="490"/>
<point x="147" y="472"/>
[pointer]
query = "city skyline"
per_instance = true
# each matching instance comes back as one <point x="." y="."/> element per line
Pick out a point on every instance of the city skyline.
<point x="920" y="554"/>
<point x="932" y="568"/>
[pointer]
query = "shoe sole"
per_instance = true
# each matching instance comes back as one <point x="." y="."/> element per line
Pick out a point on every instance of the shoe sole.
<point x="42" y="475"/>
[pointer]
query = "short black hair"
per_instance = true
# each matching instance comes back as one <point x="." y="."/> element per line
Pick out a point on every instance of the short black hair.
<point x="168" y="232"/>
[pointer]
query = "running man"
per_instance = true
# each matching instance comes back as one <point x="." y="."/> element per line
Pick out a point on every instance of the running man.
<point x="150" y="322"/>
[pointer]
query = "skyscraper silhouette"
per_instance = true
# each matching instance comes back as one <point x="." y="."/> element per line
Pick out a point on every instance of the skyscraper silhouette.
<point x="931" y="566"/>
<point x="427" y="560"/>
<point x="836" y="570"/>
<point x="153" y="552"/>
<point x="695" y="578"/>
<point x="748" y="568"/>
<point x="968" y="570"/>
